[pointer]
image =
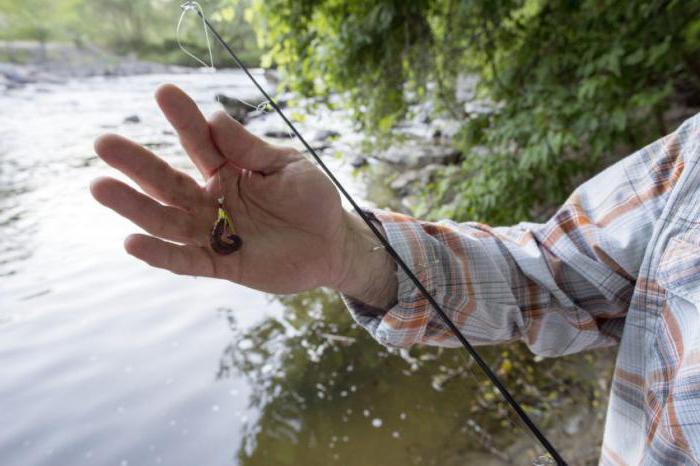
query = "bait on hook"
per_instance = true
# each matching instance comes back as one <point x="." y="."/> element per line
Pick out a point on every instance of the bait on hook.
<point x="223" y="238"/>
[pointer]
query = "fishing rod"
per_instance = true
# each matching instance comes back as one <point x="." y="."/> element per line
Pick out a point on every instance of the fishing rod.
<point x="389" y="248"/>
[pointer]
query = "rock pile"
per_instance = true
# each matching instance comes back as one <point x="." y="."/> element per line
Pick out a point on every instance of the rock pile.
<point x="423" y="146"/>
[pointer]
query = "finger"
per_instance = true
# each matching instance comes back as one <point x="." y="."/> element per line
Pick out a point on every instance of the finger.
<point x="179" y="259"/>
<point x="153" y="174"/>
<point x="243" y="148"/>
<point x="163" y="221"/>
<point x="184" y="115"/>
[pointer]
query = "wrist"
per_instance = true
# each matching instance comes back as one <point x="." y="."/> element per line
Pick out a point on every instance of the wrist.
<point x="368" y="273"/>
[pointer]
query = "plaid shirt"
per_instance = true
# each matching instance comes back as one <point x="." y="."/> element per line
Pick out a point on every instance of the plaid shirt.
<point x="619" y="263"/>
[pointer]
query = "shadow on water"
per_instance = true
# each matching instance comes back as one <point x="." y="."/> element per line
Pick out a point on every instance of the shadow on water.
<point x="327" y="393"/>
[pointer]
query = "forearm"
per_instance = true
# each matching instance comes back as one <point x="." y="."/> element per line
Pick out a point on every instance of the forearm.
<point x="369" y="273"/>
<point x="563" y="286"/>
<point x="496" y="284"/>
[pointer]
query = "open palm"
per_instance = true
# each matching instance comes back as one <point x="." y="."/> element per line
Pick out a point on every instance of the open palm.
<point x="286" y="211"/>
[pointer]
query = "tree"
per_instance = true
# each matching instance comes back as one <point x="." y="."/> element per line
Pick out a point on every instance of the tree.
<point x="578" y="83"/>
<point x="38" y="20"/>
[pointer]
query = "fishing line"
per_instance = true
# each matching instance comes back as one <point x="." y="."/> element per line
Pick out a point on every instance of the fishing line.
<point x="193" y="6"/>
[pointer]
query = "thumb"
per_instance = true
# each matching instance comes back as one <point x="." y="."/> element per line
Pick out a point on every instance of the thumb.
<point x="244" y="149"/>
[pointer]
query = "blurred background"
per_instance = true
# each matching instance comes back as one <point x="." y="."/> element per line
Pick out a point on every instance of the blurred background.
<point x="472" y="110"/>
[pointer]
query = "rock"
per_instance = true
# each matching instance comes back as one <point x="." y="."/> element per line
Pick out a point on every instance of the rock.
<point x="16" y="74"/>
<point x="6" y="83"/>
<point x="284" y="99"/>
<point x="237" y="108"/>
<point x="574" y="424"/>
<point x="480" y="107"/>
<point x="358" y="161"/>
<point x="466" y="93"/>
<point x="272" y="76"/>
<point x="132" y="119"/>
<point x="417" y="153"/>
<point x="465" y="87"/>
<point x="278" y="134"/>
<point x="423" y="113"/>
<point x="409" y="203"/>
<point x="447" y="126"/>
<point x="70" y="61"/>
<point x="479" y="151"/>
<point x="324" y="135"/>
<point x="319" y="149"/>
<point x="402" y="183"/>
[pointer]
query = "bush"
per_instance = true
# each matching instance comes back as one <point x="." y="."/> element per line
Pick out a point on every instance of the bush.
<point x="578" y="83"/>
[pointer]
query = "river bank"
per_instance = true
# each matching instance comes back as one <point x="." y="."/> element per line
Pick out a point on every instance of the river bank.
<point x="421" y="143"/>
<point x="26" y="62"/>
<point x="421" y="147"/>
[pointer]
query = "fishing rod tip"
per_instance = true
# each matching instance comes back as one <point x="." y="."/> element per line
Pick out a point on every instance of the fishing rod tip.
<point x="189" y="5"/>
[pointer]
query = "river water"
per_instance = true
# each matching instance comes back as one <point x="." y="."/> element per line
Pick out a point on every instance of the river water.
<point x="105" y="361"/>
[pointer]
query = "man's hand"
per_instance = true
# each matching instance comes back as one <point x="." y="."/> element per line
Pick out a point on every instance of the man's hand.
<point x="296" y="236"/>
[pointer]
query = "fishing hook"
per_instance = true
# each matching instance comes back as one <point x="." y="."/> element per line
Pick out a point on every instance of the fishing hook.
<point x="223" y="238"/>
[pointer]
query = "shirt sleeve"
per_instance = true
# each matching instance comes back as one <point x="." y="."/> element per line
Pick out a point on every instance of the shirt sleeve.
<point x="562" y="286"/>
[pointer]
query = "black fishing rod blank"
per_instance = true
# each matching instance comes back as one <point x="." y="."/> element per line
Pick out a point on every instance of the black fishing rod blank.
<point x="399" y="261"/>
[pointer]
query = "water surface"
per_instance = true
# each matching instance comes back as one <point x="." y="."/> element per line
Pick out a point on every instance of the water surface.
<point x="105" y="361"/>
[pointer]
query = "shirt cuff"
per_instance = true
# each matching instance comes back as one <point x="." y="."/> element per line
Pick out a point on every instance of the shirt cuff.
<point x="406" y="322"/>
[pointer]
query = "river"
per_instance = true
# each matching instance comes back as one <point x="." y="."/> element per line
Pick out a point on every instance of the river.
<point x="105" y="361"/>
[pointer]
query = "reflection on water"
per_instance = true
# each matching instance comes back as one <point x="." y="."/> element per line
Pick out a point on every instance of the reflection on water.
<point x="106" y="361"/>
<point x="327" y="394"/>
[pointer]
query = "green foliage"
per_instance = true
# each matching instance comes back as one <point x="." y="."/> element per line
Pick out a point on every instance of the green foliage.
<point x="578" y="83"/>
<point x="141" y="27"/>
<point x="37" y="19"/>
<point x="127" y="26"/>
